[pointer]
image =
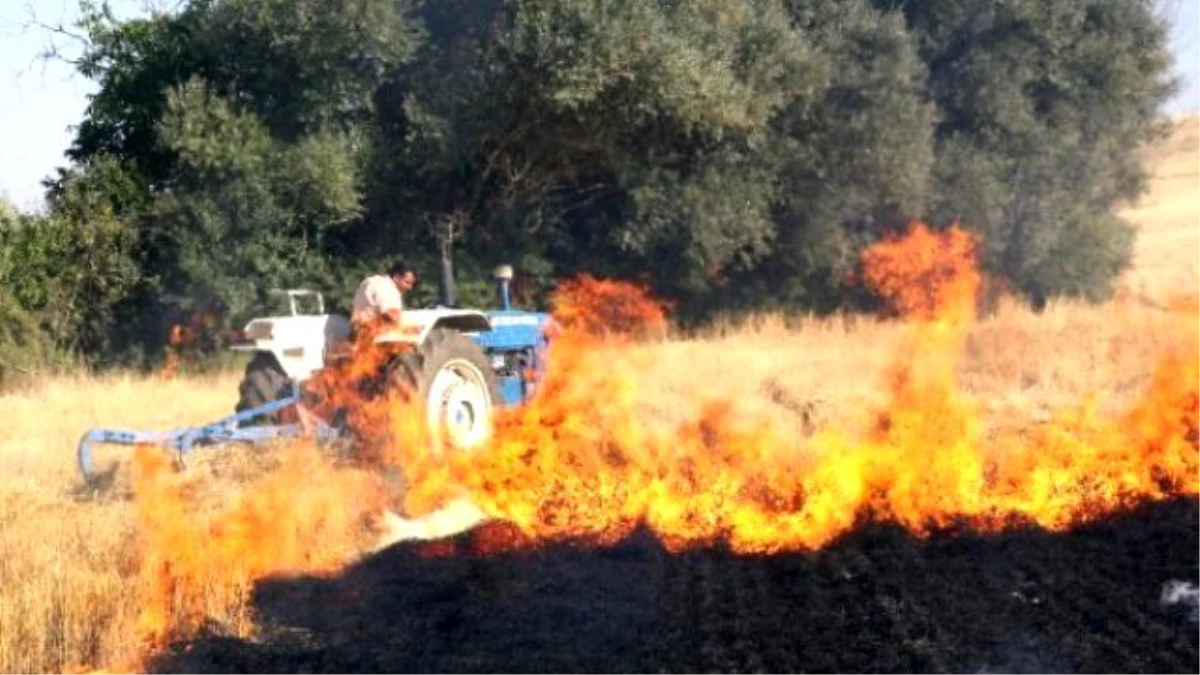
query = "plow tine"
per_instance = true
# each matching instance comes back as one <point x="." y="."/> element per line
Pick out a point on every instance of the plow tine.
<point x="115" y="437"/>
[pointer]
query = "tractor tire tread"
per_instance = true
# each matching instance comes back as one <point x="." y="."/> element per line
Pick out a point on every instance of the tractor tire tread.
<point x="263" y="382"/>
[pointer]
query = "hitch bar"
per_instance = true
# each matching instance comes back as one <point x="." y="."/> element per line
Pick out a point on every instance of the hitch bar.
<point x="225" y="430"/>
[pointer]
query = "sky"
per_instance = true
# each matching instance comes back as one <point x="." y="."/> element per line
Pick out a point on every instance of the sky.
<point x="41" y="100"/>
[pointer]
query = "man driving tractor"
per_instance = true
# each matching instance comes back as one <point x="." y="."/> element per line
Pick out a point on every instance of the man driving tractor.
<point x="378" y="303"/>
<point x="379" y="298"/>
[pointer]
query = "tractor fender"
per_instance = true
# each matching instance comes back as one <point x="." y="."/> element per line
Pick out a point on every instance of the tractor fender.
<point x="298" y="343"/>
<point x="416" y="325"/>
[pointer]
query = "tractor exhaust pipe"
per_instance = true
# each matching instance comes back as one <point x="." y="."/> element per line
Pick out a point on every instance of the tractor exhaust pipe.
<point x="446" y="295"/>
<point x="503" y="275"/>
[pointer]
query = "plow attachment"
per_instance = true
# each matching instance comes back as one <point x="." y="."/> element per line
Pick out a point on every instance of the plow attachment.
<point x="227" y="430"/>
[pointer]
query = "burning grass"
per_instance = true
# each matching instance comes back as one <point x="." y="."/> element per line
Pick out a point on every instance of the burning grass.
<point x="581" y="462"/>
<point x="767" y="435"/>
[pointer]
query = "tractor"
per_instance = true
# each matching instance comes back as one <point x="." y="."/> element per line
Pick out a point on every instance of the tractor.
<point x="461" y="363"/>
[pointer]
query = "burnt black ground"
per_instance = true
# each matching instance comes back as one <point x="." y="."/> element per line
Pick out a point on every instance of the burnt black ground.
<point x="878" y="600"/>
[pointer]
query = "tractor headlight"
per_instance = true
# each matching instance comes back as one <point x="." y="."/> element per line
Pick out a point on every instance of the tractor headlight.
<point x="497" y="361"/>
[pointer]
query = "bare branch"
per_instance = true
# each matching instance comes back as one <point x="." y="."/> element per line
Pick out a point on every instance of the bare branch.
<point x="59" y="35"/>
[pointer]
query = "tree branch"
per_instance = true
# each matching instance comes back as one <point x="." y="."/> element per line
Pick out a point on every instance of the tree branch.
<point x="54" y="51"/>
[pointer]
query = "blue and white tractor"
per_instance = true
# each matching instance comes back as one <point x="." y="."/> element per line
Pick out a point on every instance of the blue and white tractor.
<point x="461" y="363"/>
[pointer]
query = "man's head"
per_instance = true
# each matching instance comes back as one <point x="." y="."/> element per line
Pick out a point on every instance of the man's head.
<point x="403" y="275"/>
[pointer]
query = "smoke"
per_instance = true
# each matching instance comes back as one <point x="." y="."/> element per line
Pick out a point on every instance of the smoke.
<point x="1184" y="593"/>
<point x="455" y="517"/>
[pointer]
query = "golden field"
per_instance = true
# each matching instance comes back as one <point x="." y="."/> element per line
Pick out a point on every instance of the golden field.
<point x="68" y="560"/>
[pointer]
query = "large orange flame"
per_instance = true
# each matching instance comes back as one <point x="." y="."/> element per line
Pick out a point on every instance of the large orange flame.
<point x="198" y="567"/>
<point x="582" y="461"/>
<point x="605" y="307"/>
<point x="579" y="461"/>
<point x="925" y="275"/>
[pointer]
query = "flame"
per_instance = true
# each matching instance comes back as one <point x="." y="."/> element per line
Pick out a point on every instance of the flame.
<point x="925" y="275"/>
<point x="606" y="307"/>
<point x="177" y="337"/>
<point x="181" y="337"/>
<point x="1186" y="304"/>
<point x="581" y="461"/>
<point x="195" y="568"/>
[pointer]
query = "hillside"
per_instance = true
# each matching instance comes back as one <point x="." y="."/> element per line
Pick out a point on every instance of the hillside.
<point x="1167" y="254"/>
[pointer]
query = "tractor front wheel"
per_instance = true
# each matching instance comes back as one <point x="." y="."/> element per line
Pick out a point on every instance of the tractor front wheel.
<point x="456" y="386"/>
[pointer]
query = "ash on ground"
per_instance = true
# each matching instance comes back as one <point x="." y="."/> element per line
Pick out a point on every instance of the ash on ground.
<point x="1184" y="593"/>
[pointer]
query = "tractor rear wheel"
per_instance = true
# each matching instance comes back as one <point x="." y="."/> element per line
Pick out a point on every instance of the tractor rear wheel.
<point x="264" y="382"/>
<point x="455" y="384"/>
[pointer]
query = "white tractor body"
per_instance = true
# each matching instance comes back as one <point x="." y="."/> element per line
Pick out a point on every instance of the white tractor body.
<point x="301" y="343"/>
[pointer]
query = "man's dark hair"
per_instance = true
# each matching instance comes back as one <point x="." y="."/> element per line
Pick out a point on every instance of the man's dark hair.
<point x="399" y="268"/>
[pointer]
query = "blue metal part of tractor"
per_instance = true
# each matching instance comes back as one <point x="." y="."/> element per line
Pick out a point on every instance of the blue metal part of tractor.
<point x="517" y="344"/>
<point x="183" y="441"/>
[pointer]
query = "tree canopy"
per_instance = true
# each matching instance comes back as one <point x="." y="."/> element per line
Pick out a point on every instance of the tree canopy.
<point x="732" y="153"/>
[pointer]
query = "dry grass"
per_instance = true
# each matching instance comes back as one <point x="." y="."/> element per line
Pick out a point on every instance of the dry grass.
<point x="67" y="560"/>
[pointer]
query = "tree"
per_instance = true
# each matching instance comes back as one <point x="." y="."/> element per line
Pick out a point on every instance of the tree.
<point x="729" y="152"/>
<point x="243" y="122"/>
<point x="9" y="215"/>
<point x="299" y="65"/>
<point x="858" y="158"/>
<point x="1042" y="108"/>
<point x="74" y="268"/>
<point x="24" y="346"/>
<point x="247" y="212"/>
<point x="603" y="134"/>
<point x="133" y="63"/>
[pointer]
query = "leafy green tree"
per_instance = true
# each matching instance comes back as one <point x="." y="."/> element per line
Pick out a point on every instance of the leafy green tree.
<point x="731" y="152"/>
<point x="858" y="158"/>
<point x="247" y="212"/>
<point x="9" y="215"/>
<point x="604" y="134"/>
<point x="244" y="122"/>
<point x="1042" y="108"/>
<point x="25" y="349"/>
<point x="300" y="65"/>
<point x="133" y="63"/>
<point x="73" y="268"/>
<point x="24" y="346"/>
